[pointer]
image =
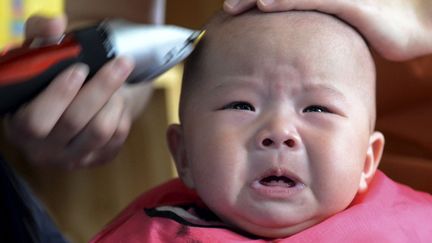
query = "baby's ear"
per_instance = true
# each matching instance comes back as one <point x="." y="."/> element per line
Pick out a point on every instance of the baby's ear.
<point x="177" y="148"/>
<point x="373" y="158"/>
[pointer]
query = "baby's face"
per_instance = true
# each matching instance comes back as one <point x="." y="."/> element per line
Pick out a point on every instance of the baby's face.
<point x="276" y="135"/>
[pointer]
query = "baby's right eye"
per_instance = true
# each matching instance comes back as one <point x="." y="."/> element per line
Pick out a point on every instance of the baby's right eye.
<point x="316" y="108"/>
<point x="239" y="105"/>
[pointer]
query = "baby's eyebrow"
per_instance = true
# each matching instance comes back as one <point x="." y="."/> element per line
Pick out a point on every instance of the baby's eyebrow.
<point x="328" y="88"/>
<point x="240" y="83"/>
<point x="257" y="87"/>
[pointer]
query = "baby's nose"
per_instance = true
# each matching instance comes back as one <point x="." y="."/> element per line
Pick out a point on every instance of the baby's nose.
<point x="268" y="142"/>
<point x="278" y="135"/>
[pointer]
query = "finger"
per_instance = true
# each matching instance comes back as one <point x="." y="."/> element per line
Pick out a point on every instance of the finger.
<point x="330" y="7"/>
<point x="39" y="26"/>
<point x="91" y="98"/>
<point x="283" y="5"/>
<point x="238" y="6"/>
<point x="100" y="129"/>
<point x="36" y="119"/>
<point x="112" y="148"/>
<point x="349" y="11"/>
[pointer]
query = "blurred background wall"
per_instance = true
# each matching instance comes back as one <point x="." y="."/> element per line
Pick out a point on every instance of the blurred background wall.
<point x="82" y="202"/>
<point x="13" y="14"/>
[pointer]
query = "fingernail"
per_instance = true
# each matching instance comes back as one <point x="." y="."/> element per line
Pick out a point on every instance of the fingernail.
<point x="266" y="2"/>
<point x="80" y="72"/>
<point x="122" y="66"/>
<point x="231" y="3"/>
<point x="87" y="160"/>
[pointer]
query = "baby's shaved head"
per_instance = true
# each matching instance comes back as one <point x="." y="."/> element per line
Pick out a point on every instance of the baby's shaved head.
<point x="314" y="36"/>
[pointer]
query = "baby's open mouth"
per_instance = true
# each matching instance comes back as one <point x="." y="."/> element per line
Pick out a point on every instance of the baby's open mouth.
<point x="279" y="181"/>
<point x="276" y="184"/>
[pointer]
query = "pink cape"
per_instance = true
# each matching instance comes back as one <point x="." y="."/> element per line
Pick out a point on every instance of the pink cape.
<point x="388" y="212"/>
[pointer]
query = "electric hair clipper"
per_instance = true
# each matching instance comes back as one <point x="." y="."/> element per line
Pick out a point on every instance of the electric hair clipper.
<point x="26" y="71"/>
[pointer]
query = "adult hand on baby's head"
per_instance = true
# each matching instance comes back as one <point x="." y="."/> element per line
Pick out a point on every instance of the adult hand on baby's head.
<point x="68" y="124"/>
<point x="397" y="29"/>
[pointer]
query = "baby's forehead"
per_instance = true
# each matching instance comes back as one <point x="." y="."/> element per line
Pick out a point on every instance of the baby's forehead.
<point x="313" y="42"/>
<point x="296" y="29"/>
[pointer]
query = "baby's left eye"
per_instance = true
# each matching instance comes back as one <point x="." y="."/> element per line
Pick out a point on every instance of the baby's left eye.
<point x="316" y="108"/>
<point x="239" y="105"/>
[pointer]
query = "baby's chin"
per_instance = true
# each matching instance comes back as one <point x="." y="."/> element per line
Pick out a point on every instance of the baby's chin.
<point x="269" y="230"/>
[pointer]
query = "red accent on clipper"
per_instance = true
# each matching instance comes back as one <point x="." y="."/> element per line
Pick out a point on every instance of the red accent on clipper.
<point x="21" y="64"/>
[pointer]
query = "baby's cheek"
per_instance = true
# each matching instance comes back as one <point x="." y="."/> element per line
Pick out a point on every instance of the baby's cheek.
<point x="335" y="179"/>
<point x="218" y="168"/>
<point x="334" y="194"/>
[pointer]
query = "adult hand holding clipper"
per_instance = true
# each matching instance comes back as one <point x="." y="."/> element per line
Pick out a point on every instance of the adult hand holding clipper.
<point x="25" y="71"/>
<point x="72" y="125"/>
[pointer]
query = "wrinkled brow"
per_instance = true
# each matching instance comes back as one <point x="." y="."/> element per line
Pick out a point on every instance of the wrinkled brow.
<point x="328" y="88"/>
